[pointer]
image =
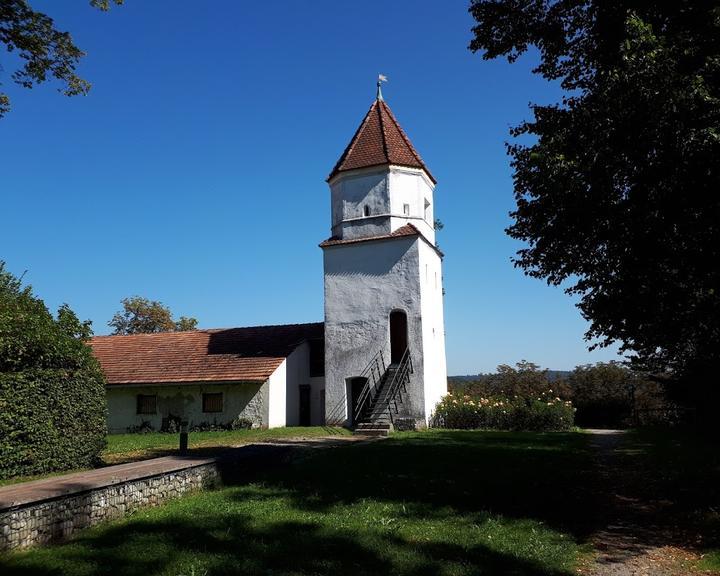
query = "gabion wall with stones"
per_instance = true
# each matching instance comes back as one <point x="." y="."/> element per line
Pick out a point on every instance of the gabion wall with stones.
<point x="54" y="520"/>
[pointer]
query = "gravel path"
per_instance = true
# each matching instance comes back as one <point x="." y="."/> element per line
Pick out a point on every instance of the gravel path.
<point x="635" y="541"/>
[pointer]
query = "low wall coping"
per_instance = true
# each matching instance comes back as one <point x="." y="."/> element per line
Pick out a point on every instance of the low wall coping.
<point x="35" y="491"/>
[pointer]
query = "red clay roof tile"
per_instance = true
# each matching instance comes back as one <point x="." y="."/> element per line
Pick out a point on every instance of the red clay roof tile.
<point x="222" y="355"/>
<point x="379" y="141"/>
<point x="406" y="230"/>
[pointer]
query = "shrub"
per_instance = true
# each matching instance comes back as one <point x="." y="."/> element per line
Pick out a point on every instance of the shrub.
<point x="52" y="391"/>
<point x="525" y="379"/>
<point x="544" y="412"/>
<point x="238" y="423"/>
<point x="605" y="394"/>
<point x="50" y="420"/>
<point x="611" y="395"/>
<point x="145" y="427"/>
<point x="241" y="423"/>
<point x="171" y="424"/>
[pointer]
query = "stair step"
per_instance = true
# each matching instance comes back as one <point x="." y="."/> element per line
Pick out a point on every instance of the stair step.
<point x="377" y="417"/>
<point x="372" y="426"/>
<point x="379" y="433"/>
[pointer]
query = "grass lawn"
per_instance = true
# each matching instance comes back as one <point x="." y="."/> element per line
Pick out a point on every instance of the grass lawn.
<point x="710" y="561"/>
<point x="448" y="503"/>
<point x="445" y="503"/>
<point x="131" y="447"/>
<point x="126" y="447"/>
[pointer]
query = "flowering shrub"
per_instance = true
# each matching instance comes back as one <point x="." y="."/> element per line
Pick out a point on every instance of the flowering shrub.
<point x="544" y="412"/>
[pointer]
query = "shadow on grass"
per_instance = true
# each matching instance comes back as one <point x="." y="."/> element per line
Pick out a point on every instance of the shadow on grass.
<point x="413" y="504"/>
<point x="210" y="447"/>
<point x="232" y="545"/>
<point x="654" y="488"/>
<point x="548" y="477"/>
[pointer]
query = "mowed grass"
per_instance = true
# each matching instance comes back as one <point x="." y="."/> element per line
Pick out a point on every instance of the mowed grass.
<point x="125" y="447"/>
<point x="440" y="502"/>
<point x="710" y="561"/>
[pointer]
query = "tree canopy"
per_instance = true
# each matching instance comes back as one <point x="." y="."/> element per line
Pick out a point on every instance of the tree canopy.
<point x="46" y="51"/>
<point x="617" y="191"/>
<point x="142" y="316"/>
<point x="30" y="337"/>
<point x="52" y="390"/>
<point x="525" y="379"/>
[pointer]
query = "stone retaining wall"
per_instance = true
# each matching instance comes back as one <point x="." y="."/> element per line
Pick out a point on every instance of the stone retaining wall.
<point x="50" y="520"/>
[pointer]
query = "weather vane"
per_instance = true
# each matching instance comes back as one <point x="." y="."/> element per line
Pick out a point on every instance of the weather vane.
<point x="381" y="78"/>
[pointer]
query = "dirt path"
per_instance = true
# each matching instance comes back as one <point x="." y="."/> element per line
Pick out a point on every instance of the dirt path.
<point x="638" y="539"/>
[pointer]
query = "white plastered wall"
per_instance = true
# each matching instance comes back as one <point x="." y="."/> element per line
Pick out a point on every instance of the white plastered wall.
<point x="364" y="283"/>
<point x="244" y="400"/>
<point x="411" y="186"/>
<point x="433" y="326"/>
<point x="350" y="193"/>
<point x="277" y="396"/>
<point x="385" y="192"/>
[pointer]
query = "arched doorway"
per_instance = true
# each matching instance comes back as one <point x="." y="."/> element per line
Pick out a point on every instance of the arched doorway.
<point x="398" y="335"/>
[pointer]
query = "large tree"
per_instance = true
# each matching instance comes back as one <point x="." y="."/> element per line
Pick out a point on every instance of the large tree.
<point x="618" y="188"/>
<point x="46" y="51"/>
<point x="142" y="316"/>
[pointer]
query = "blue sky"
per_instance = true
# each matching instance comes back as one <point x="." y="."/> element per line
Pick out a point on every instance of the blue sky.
<point x="193" y="173"/>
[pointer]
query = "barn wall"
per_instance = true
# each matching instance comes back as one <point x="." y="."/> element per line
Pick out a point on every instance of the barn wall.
<point x="245" y="400"/>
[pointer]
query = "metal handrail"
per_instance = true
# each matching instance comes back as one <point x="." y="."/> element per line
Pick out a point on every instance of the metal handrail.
<point x="376" y="364"/>
<point x="401" y="378"/>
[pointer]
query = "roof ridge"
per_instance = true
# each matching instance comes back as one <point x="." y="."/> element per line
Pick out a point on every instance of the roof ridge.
<point x="383" y="130"/>
<point x="206" y="330"/>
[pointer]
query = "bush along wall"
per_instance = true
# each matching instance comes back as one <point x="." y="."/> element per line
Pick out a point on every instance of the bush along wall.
<point x="52" y="390"/>
<point x="544" y="412"/>
<point x="50" y="420"/>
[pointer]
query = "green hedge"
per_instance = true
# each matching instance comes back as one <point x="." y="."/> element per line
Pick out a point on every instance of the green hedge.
<point x="544" y="412"/>
<point x="52" y="390"/>
<point x="50" y="420"/>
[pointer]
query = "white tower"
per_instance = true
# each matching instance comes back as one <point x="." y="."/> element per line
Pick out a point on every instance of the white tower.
<point x="384" y="330"/>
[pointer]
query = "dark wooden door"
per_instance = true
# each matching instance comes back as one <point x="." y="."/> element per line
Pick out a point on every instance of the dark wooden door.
<point x="305" y="405"/>
<point x="398" y="336"/>
<point x="356" y="387"/>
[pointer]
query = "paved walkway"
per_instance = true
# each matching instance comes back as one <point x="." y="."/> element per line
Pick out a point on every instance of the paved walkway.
<point x="56" y="486"/>
<point x="49" y="488"/>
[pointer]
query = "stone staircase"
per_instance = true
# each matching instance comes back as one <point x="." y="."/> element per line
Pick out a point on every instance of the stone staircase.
<point x="377" y="418"/>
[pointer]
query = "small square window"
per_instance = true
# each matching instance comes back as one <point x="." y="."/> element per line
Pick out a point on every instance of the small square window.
<point x="406" y="209"/>
<point x="146" y="404"/>
<point x="212" y="402"/>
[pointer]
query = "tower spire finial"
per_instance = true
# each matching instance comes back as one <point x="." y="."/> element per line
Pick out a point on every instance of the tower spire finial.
<point x="381" y="78"/>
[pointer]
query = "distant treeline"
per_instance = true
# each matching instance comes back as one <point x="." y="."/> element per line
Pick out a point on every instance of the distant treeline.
<point x="606" y="394"/>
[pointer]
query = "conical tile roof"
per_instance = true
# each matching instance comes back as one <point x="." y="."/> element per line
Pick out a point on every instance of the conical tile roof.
<point x="379" y="141"/>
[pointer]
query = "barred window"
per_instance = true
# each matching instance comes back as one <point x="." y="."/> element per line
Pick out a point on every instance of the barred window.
<point x="212" y="402"/>
<point x="146" y="404"/>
